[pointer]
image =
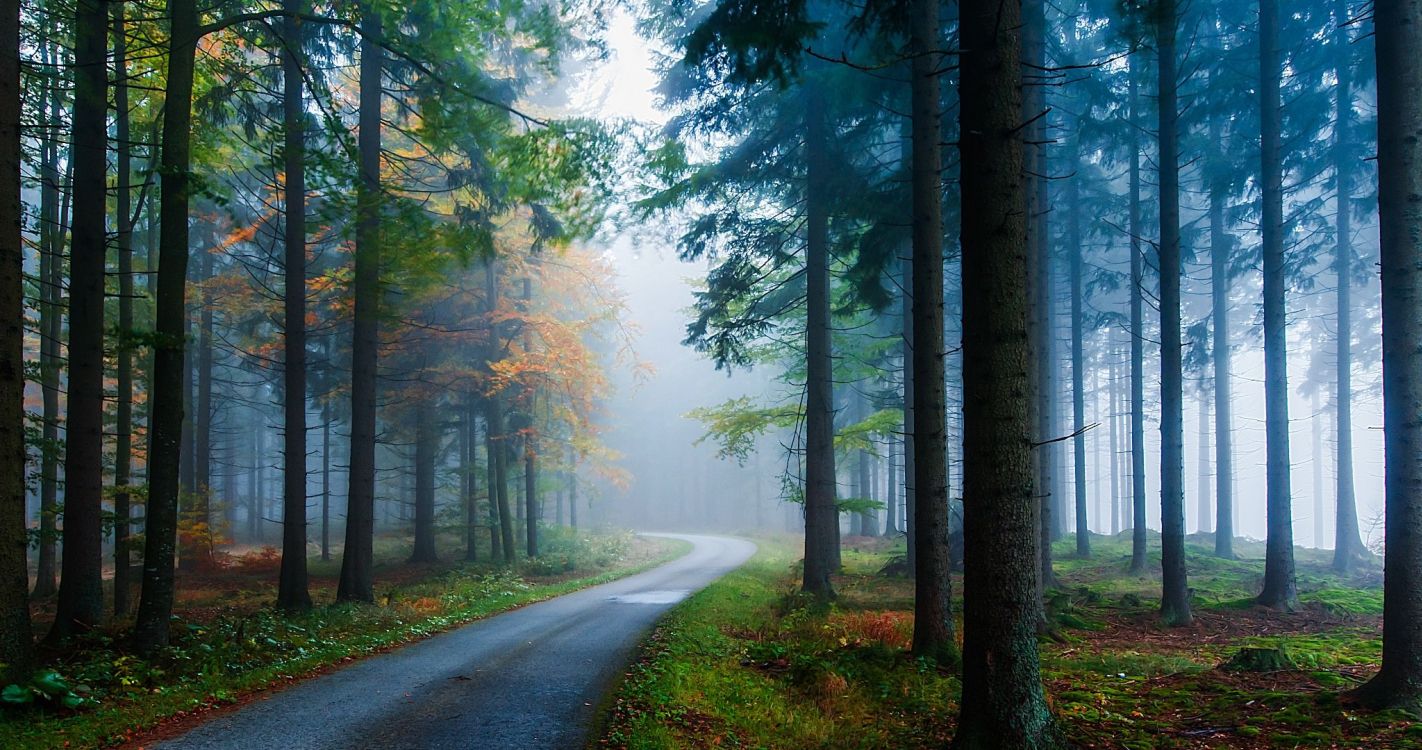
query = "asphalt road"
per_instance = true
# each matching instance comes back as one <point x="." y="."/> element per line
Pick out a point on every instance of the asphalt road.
<point x="527" y="679"/>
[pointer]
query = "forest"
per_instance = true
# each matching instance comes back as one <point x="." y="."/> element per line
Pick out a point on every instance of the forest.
<point x="711" y="373"/>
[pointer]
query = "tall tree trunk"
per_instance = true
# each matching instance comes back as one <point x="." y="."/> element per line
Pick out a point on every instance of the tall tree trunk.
<point x="573" y="489"/>
<point x="292" y="592"/>
<point x="821" y="514"/>
<point x="52" y="221"/>
<point x="494" y="427"/>
<point x="426" y="446"/>
<point x="1347" y="542"/>
<point x="1003" y="702"/>
<point x="1114" y="401"/>
<point x="1219" y="325"/>
<point x="155" y="606"/>
<point x="1175" y="596"/>
<point x="16" y="641"/>
<point x="1398" y="30"/>
<point x="201" y="514"/>
<point x="910" y="470"/>
<point x="1039" y="328"/>
<point x="1138" y="338"/>
<point x="123" y="426"/>
<point x="81" y="599"/>
<point x="891" y="489"/>
<point x="1078" y="358"/>
<point x="358" y="556"/>
<point x="933" y="604"/>
<point x="530" y="443"/>
<point x="1280" y="589"/>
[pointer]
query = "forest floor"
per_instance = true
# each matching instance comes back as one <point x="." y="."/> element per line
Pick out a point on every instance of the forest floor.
<point x="748" y="663"/>
<point x="228" y="643"/>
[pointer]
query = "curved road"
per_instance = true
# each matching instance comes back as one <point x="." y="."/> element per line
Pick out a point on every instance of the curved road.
<point x="529" y="678"/>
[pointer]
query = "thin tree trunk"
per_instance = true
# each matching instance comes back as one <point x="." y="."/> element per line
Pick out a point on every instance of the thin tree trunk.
<point x="358" y="556"/>
<point x="1039" y="326"/>
<point x="201" y="516"/>
<point x="530" y="442"/>
<point x="1114" y="400"/>
<point x="573" y="490"/>
<point x="81" y="600"/>
<point x="1347" y="542"/>
<point x="909" y="395"/>
<point x="1078" y="358"/>
<point x="1138" y="337"/>
<point x="326" y="489"/>
<point x="1003" y="704"/>
<point x="492" y="473"/>
<point x="1219" y="323"/>
<point x="1202" y="493"/>
<point x="155" y="606"/>
<point x="1398" y="30"/>
<point x="16" y="641"/>
<point x="1280" y="588"/>
<point x="821" y="514"/>
<point x="292" y="589"/>
<point x="469" y="437"/>
<point x="123" y="426"/>
<point x="51" y="329"/>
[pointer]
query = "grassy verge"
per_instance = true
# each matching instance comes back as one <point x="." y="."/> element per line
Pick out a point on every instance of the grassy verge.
<point x="746" y="663"/>
<point x="221" y="654"/>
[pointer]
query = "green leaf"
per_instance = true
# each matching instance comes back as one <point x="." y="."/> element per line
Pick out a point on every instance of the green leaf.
<point x="51" y="683"/>
<point x="16" y="695"/>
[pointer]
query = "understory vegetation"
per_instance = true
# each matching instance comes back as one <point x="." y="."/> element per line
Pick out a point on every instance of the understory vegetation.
<point x="229" y="643"/>
<point x="750" y="663"/>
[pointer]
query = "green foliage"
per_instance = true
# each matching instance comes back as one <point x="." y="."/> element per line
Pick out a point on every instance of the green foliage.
<point x="48" y="688"/>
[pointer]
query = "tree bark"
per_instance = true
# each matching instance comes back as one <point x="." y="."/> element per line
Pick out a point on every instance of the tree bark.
<point x="326" y="488"/>
<point x="81" y="600"/>
<point x="52" y="221"/>
<point x="1398" y="31"/>
<point x="123" y="395"/>
<point x="426" y="445"/>
<point x="469" y="437"/>
<point x="1219" y="324"/>
<point x="155" y="606"/>
<point x="1348" y="546"/>
<point x="1202" y="492"/>
<point x="1139" y="549"/>
<point x="1175" y="596"/>
<point x="292" y="588"/>
<point x="1078" y="357"/>
<point x="357" y="558"/>
<point x="1280" y="588"/>
<point x="16" y="641"/>
<point x="821" y="513"/>
<point x="530" y="442"/>
<point x="1003" y="702"/>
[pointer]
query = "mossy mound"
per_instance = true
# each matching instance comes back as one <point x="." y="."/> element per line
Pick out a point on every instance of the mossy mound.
<point x="1254" y="659"/>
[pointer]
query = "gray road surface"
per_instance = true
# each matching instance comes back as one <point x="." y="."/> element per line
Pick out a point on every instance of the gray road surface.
<point x="527" y="679"/>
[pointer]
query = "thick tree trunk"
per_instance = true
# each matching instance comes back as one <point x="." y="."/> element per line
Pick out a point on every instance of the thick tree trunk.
<point x="1398" y="30"/>
<point x="498" y="452"/>
<point x="123" y="395"/>
<point x="426" y="446"/>
<point x="1280" y="589"/>
<point x="292" y="591"/>
<point x="16" y="641"/>
<point x="530" y="444"/>
<point x="1219" y="324"/>
<point x="200" y="517"/>
<point x="1003" y="701"/>
<point x="1175" y="596"/>
<point x="155" y="606"/>
<point x="933" y="605"/>
<point x="81" y="599"/>
<point x="357" y="558"/>
<point x="1138" y="338"/>
<point x="821" y="514"/>
<point x="1347" y="541"/>
<point x="908" y="444"/>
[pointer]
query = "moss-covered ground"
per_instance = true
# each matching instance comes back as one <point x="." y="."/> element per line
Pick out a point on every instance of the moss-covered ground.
<point x="747" y="663"/>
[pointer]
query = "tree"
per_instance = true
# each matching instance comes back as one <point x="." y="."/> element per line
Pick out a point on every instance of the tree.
<point x="123" y="444"/>
<point x="933" y="614"/>
<point x="1398" y="34"/>
<point x="357" y="558"/>
<point x="16" y="644"/>
<point x="1138" y="335"/>
<point x="1175" y="599"/>
<point x="1280" y="589"/>
<point x="81" y="600"/>
<point x="1003" y="701"/>
<point x="292" y="594"/>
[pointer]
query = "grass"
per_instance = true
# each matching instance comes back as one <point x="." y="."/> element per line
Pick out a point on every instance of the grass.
<point x="747" y="663"/>
<point x="228" y="643"/>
